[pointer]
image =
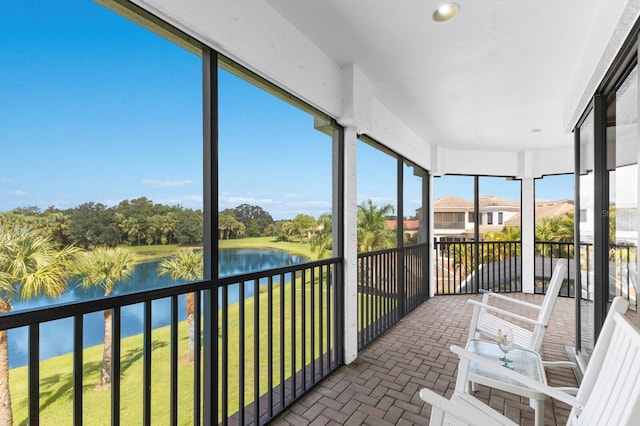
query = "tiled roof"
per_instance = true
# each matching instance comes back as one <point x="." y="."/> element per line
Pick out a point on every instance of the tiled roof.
<point x="545" y="209"/>
<point x="490" y="200"/>
<point x="451" y="201"/>
<point x="408" y="224"/>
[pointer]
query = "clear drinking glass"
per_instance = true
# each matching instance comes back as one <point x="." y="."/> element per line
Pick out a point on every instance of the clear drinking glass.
<point x="505" y="343"/>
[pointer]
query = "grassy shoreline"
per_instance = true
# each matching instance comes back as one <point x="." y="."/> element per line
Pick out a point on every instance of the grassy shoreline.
<point x="159" y="252"/>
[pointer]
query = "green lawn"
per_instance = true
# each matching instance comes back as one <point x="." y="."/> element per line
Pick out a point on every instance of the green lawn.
<point x="56" y="384"/>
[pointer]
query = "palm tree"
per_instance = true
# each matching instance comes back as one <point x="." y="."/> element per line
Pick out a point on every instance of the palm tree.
<point x="323" y="239"/>
<point x="188" y="265"/>
<point x="30" y="265"/>
<point x="229" y="226"/>
<point x="495" y="252"/>
<point x="511" y="233"/>
<point x="106" y="267"/>
<point x="303" y="225"/>
<point x="168" y="224"/>
<point x="130" y="227"/>
<point x="373" y="233"/>
<point x="555" y="229"/>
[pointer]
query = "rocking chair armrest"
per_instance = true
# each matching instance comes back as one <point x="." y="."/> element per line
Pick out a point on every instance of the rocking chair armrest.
<point x="448" y="406"/>
<point x="464" y="407"/>
<point x="514" y="375"/>
<point x="507" y="313"/>
<point x="559" y="364"/>
<point x="513" y="300"/>
<point x="568" y="389"/>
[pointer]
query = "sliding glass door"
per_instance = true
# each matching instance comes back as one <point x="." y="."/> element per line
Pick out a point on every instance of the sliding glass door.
<point x="607" y="200"/>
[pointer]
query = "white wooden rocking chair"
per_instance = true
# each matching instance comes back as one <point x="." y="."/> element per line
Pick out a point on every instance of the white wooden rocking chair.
<point x="486" y="323"/>
<point x="608" y="395"/>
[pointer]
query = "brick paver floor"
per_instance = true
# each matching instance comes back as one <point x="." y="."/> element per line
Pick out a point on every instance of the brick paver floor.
<point x="381" y="386"/>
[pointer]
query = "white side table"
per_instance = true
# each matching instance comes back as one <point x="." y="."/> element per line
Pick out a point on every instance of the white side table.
<point x="524" y="361"/>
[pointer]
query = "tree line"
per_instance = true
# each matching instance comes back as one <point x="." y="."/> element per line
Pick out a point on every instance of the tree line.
<point x="133" y="222"/>
<point x="252" y="221"/>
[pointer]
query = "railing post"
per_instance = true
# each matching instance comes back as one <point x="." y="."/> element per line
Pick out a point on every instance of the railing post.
<point x="400" y="241"/>
<point x="402" y="294"/>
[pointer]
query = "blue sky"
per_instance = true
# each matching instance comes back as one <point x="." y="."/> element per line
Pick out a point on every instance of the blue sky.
<point x="95" y="108"/>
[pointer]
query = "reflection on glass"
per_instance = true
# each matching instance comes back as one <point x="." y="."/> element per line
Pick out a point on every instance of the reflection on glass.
<point x="622" y="136"/>
<point x="377" y="177"/>
<point x="275" y="173"/>
<point x="586" y="208"/>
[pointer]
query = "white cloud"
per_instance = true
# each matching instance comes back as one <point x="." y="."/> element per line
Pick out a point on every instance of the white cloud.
<point x="315" y="205"/>
<point x="245" y="200"/>
<point x="4" y="180"/>
<point x="278" y="208"/>
<point x="186" y="201"/>
<point x="378" y="201"/>
<point x="17" y="193"/>
<point x="166" y="183"/>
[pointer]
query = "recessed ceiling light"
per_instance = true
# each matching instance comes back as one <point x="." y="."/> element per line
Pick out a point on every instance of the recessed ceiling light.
<point x="445" y="12"/>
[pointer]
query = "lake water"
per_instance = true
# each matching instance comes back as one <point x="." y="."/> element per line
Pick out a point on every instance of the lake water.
<point x="56" y="338"/>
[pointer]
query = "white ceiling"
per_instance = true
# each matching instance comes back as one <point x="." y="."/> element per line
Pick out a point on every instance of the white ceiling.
<point x="483" y="81"/>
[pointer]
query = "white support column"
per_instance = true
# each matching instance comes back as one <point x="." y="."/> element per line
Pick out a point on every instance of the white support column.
<point x="350" y="247"/>
<point x="528" y="234"/>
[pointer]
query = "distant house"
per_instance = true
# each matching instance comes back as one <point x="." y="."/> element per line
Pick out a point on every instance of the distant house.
<point x="410" y="226"/>
<point x="454" y="218"/>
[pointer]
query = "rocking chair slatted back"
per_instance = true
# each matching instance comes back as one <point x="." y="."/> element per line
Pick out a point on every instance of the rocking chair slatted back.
<point x="610" y="390"/>
<point x="488" y="318"/>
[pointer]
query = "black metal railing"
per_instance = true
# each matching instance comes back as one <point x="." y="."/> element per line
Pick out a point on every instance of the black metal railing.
<point x="278" y="333"/>
<point x="467" y="267"/>
<point x="384" y="294"/>
<point x="623" y="273"/>
<point x="272" y="352"/>
<point x="124" y="353"/>
<point x="547" y="255"/>
<point x="499" y="268"/>
<point x="416" y="278"/>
